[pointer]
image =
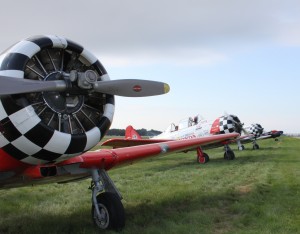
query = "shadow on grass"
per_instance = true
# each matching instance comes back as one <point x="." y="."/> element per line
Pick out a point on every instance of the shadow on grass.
<point x="177" y="208"/>
<point x="189" y="161"/>
<point x="232" y="210"/>
<point x="41" y="222"/>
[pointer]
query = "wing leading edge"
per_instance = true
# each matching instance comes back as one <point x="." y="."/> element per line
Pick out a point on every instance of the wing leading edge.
<point x="109" y="158"/>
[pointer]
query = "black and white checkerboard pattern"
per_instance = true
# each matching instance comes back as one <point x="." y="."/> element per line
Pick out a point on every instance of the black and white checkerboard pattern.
<point x="256" y="130"/>
<point x="226" y="124"/>
<point x="22" y="133"/>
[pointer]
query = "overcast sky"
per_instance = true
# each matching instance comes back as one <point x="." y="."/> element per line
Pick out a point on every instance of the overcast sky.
<point x="234" y="56"/>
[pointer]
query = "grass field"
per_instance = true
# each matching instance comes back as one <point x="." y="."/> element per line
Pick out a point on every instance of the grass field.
<point x="259" y="192"/>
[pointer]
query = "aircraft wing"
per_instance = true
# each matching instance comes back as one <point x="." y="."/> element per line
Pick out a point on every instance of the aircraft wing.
<point x="79" y="167"/>
<point x="121" y="142"/>
<point x="108" y="158"/>
<point x="271" y="134"/>
<point x="116" y="143"/>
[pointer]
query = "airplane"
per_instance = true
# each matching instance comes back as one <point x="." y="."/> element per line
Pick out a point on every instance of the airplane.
<point x="56" y="104"/>
<point x="256" y="132"/>
<point x="272" y="134"/>
<point x="188" y="128"/>
<point x="251" y="134"/>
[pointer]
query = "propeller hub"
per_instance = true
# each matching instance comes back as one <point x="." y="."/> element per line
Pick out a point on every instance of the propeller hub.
<point x="62" y="102"/>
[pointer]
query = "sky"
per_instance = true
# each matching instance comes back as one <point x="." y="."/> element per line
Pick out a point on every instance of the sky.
<point x="218" y="56"/>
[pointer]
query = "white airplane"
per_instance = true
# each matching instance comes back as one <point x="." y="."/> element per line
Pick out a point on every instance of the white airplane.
<point x="188" y="128"/>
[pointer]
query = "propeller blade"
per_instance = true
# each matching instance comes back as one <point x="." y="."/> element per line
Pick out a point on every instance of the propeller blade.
<point x="245" y="131"/>
<point x="11" y="85"/>
<point x="126" y="88"/>
<point x="131" y="87"/>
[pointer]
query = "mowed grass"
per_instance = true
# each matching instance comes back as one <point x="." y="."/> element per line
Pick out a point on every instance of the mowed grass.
<point x="259" y="192"/>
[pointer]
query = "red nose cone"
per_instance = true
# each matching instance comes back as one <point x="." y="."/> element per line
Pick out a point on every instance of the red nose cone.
<point x="137" y="88"/>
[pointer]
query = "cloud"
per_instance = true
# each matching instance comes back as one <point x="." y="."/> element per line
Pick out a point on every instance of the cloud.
<point x="177" y="57"/>
<point x="135" y="26"/>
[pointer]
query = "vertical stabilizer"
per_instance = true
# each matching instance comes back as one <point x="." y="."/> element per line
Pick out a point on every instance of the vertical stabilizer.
<point x="131" y="133"/>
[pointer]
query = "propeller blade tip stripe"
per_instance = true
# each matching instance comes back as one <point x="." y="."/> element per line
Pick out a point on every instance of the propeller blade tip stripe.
<point x="166" y="88"/>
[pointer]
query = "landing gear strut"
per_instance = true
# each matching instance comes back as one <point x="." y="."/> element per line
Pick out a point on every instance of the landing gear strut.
<point x="229" y="154"/>
<point x="240" y="146"/>
<point x="201" y="157"/>
<point x="107" y="208"/>
<point x="255" y="145"/>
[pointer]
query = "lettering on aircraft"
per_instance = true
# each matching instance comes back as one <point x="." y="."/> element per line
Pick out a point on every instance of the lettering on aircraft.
<point x="188" y="137"/>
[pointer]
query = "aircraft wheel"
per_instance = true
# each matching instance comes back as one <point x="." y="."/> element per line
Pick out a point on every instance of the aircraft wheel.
<point x="203" y="159"/>
<point x="111" y="210"/>
<point x="242" y="147"/>
<point x="255" y="146"/>
<point x="229" y="155"/>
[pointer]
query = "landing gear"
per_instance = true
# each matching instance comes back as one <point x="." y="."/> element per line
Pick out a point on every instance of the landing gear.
<point x="111" y="212"/>
<point x="107" y="208"/>
<point x="201" y="157"/>
<point x="240" y="146"/>
<point x="229" y="154"/>
<point x="255" y="145"/>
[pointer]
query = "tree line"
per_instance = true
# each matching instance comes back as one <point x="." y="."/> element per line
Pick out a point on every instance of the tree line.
<point x="142" y="132"/>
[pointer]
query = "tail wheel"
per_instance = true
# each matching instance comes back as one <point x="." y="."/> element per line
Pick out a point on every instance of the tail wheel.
<point x="112" y="215"/>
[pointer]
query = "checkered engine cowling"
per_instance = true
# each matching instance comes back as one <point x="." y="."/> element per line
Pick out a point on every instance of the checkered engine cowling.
<point x="47" y="127"/>
<point x="256" y="130"/>
<point x="228" y="124"/>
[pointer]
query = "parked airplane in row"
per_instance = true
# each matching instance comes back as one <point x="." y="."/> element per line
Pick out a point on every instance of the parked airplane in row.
<point x="255" y="132"/>
<point x="57" y="103"/>
<point x="189" y="128"/>
<point x="271" y="134"/>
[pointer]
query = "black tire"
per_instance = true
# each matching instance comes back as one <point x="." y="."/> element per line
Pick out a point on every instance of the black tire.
<point x="229" y="155"/>
<point x="112" y="209"/>
<point x="205" y="159"/>
<point x="255" y="146"/>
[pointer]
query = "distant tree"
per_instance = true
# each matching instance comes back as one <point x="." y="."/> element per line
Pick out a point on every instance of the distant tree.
<point x="142" y="132"/>
<point x="153" y="132"/>
<point x="116" y="132"/>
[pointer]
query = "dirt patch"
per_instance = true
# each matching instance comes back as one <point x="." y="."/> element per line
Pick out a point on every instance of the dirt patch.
<point x="245" y="189"/>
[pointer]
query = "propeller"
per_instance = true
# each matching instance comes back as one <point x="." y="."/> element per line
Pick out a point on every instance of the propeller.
<point x="11" y="85"/>
<point x="131" y="87"/>
<point x="237" y="123"/>
<point x="87" y="81"/>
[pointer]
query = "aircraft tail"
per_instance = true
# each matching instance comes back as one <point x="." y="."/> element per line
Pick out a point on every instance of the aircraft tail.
<point x="131" y="133"/>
